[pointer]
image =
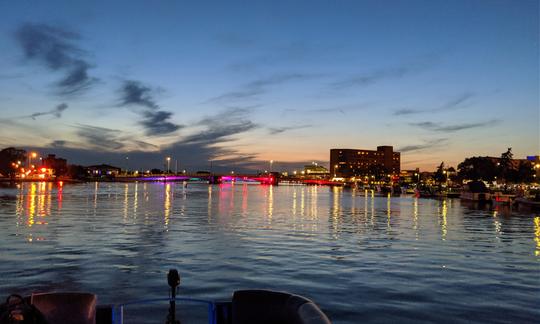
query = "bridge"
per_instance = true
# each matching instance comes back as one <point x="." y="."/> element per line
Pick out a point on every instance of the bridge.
<point x="266" y="179"/>
<point x="255" y="179"/>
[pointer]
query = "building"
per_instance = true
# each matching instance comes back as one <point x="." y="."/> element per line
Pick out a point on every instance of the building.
<point x="102" y="170"/>
<point x="314" y="171"/>
<point x="409" y="176"/>
<point x="348" y="163"/>
<point x="57" y="165"/>
<point x="535" y="162"/>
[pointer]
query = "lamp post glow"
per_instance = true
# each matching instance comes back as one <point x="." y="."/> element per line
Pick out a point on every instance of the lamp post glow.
<point x="32" y="155"/>
<point x="168" y="164"/>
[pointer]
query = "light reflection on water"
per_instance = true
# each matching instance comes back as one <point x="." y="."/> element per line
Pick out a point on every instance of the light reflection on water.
<point x="360" y="256"/>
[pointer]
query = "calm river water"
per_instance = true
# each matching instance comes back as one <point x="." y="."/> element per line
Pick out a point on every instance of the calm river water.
<point x="361" y="258"/>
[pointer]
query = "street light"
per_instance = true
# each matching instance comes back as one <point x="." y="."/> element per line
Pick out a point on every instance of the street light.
<point x="271" y="162"/>
<point x="168" y="164"/>
<point x="32" y="155"/>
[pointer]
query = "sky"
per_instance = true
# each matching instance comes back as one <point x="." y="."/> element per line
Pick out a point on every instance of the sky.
<point x="235" y="84"/>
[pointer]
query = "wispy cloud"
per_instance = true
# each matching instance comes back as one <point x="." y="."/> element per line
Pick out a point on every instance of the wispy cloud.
<point x="135" y="93"/>
<point x="237" y="95"/>
<point x="260" y="86"/>
<point x="330" y="110"/>
<point x="368" y="78"/>
<point x="55" y="48"/>
<point x="457" y="102"/>
<point x="279" y="130"/>
<point x="155" y="122"/>
<point x="56" y="112"/>
<point x="104" y="139"/>
<point x="453" y="128"/>
<point x="407" y="111"/>
<point x="222" y="126"/>
<point x="423" y="146"/>
<point x="227" y="116"/>
<point x="100" y="137"/>
<point x="220" y="133"/>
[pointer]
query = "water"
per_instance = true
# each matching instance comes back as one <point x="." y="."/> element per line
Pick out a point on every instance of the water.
<point x="361" y="258"/>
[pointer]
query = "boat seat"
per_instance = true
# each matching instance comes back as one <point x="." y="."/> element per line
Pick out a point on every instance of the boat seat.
<point x="270" y="307"/>
<point x="66" y="308"/>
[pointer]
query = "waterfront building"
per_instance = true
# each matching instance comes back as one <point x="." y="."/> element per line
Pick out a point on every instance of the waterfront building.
<point x="315" y="171"/>
<point x="348" y="163"/>
<point x="535" y="162"/>
<point x="409" y="176"/>
<point x="102" y="170"/>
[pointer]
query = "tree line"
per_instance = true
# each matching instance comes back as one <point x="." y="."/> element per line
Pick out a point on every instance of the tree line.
<point x="503" y="169"/>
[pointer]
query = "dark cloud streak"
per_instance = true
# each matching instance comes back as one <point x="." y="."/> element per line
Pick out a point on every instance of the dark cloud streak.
<point x="134" y="93"/>
<point x="56" y="112"/>
<point x="54" y="47"/>
<point x="457" y="102"/>
<point x="220" y="133"/>
<point x="426" y="145"/>
<point x="279" y="130"/>
<point x="365" y="79"/>
<point x="260" y="86"/>
<point x="453" y="128"/>
<point x="222" y="126"/>
<point x="155" y="122"/>
<point x="100" y="137"/>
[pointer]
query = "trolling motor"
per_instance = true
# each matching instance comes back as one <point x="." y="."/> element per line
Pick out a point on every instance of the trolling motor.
<point x="173" y="278"/>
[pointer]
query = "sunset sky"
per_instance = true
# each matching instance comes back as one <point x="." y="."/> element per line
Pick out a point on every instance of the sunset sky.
<point x="241" y="83"/>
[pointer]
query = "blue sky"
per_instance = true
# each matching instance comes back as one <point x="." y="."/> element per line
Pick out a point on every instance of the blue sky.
<point x="242" y="83"/>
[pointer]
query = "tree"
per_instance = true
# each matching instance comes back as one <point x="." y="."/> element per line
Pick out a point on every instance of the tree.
<point x="505" y="166"/>
<point x="76" y="172"/>
<point x="477" y="168"/>
<point x="440" y="174"/>
<point x="9" y="158"/>
<point x="524" y="173"/>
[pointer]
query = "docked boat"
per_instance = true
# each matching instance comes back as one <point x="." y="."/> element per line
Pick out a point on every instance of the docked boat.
<point x="475" y="191"/>
<point x="527" y="203"/>
<point x="246" y="306"/>
<point x="502" y="198"/>
<point x="425" y="192"/>
<point x="410" y="191"/>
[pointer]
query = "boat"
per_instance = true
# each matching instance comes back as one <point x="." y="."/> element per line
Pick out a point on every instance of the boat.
<point x="447" y="193"/>
<point x="425" y="191"/>
<point x="502" y="198"/>
<point x="246" y="306"/>
<point x="527" y="203"/>
<point x="410" y="191"/>
<point x="475" y="191"/>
